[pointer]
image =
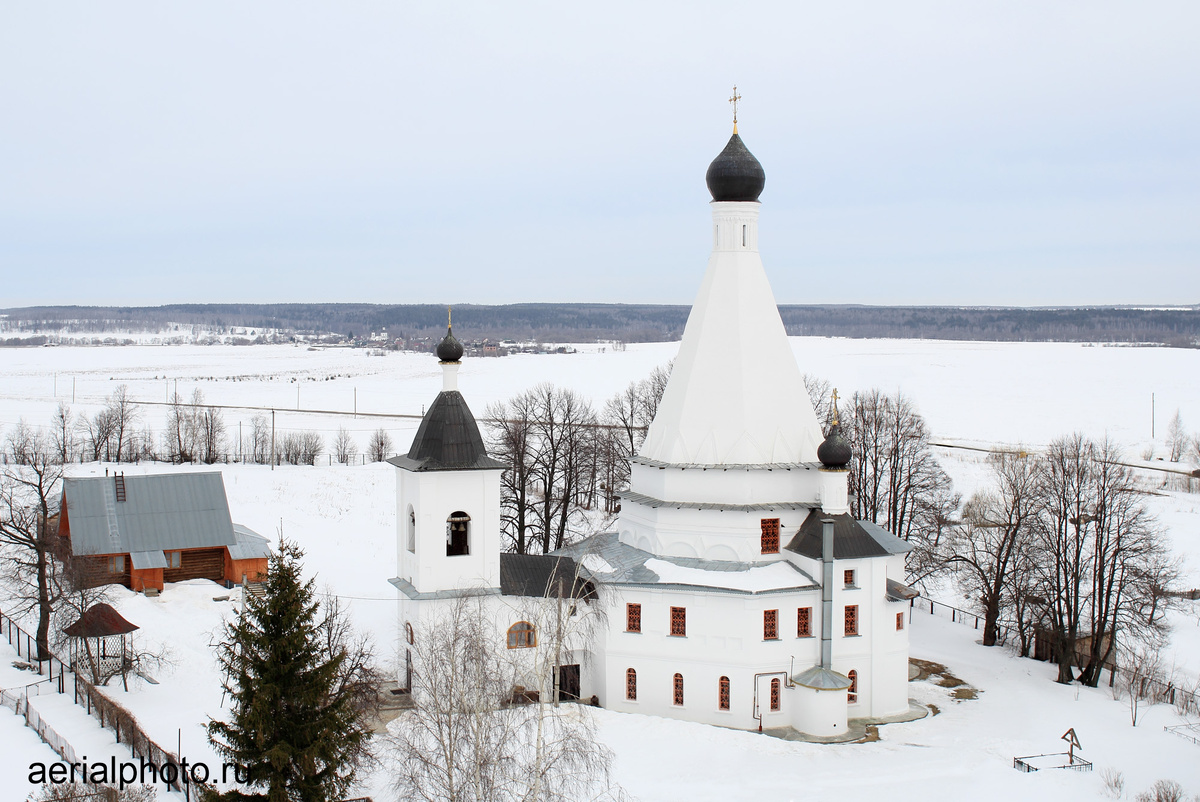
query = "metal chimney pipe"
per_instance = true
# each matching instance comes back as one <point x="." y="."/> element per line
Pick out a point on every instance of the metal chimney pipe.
<point x="827" y="594"/>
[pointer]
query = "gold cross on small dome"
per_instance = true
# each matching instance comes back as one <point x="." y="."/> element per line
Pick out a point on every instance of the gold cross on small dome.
<point x="734" y="100"/>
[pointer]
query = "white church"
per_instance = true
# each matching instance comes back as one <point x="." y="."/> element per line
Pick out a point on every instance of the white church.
<point x="739" y="591"/>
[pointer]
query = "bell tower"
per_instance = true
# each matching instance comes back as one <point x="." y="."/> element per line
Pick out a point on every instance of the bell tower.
<point x="447" y="496"/>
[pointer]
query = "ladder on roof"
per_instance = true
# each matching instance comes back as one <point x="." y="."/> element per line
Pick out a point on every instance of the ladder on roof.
<point x="110" y="509"/>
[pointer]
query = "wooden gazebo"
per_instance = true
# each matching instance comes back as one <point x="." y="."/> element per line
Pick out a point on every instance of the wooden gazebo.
<point x="101" y="646"/>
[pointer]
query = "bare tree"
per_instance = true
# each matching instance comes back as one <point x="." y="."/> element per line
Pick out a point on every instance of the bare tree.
<point x="1142" y="669"/>
<point x="123" y="413"/>
<point x="50" y="791"/>
<point x="62" y="434"/>
<point x="466" y="741"/>
<point x="358" y="674"/>
<point x="895" y="481"/>
<point x="1177" y="438"/>
<point x="511" y="440"/>
<point x="996" y="536"/>
<point x="380" y="447"/>
<point x="312" y="445"/>
<point x="344" y="448"/>
<point x="260" y="439"/>
<point x="820" y="393"/>
<point x="29" y="499"/>
<point x="210" y="431"/>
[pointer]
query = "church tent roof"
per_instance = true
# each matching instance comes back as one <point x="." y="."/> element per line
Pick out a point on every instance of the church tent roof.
<point x="448" y="439"/>
<point x="851" y="539"/>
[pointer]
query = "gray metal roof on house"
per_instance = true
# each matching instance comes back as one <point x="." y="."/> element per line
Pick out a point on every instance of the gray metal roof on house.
<point x="851" y="539"/>
<point x="448" y="439"/>
<point x="161" y="512"/>
<point x="609" y="561"/>
<point x="250" y="544"/>
<point x="142" y="560"/>
<point x="650" y="501"/>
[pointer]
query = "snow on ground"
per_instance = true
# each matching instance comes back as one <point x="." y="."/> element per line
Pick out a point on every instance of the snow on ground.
<point x="344" y="517"/>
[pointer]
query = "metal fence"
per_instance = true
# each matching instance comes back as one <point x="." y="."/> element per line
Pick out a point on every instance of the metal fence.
<point x="59" y="678"/>
<point x="1053" y="760"/>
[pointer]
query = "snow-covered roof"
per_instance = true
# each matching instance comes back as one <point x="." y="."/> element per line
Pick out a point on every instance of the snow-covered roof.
<point x="611" y="562"/>
<point x="655" y="503"/>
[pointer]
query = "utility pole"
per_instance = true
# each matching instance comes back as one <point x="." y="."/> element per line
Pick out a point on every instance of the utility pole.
<point x="297" y="395"/>
<point x="240" y="459"/>
<point x="72" y="389"/>
<point x="272" y="439"/>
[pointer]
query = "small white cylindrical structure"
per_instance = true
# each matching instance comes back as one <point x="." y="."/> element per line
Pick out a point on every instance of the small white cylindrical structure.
<point x="834" y="495"/>
<point x="450" y="375"/>
<point x="820" y="707"/>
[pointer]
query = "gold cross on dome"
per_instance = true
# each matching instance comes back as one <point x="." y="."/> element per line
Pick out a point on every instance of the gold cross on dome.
<point x="835" y="407"/>
<point x="734" y="100"/>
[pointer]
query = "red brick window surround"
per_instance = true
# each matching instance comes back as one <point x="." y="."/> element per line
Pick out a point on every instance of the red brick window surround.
<point x="852" y="694"/>
<point x="679" y="622"/>
<point x="804" y="622"/>
<point x="631" y="685"/>
<point x="633" y="618"/>
<point x="851" y="619"/>
<point x="723" y="693"/>
<point x="899" y="621"/>
<point x="848" y="576"/>
<point x="770" y="625"/>
<point x="774" y="694"/>
<point x="677" y="696"/>
<point x="770" y="535"/>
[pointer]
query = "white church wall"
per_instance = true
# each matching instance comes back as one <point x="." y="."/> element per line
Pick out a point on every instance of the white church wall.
<point x="733" y="535"/>
<point x="729" y="485"/>
<point x="434" y="495"/>
<point x="724" y="637"/>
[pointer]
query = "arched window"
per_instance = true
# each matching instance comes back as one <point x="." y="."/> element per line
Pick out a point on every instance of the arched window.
<point x="521" y="635"/>
<point x="458" y="531"/>
<point x="852" y="694"/>
<point x="723" y="693"/>
<point x="631" y="685"/>
<point x="412" y="529"/>
<point x="408" y="632"/>
<point x="678" y="695"/>
<point x="774" y="694"/>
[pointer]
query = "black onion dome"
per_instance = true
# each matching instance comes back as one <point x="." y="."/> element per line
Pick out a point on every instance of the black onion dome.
<point x="735" y="175"/>
<point x="449" y="349"/>
<point x="835" y="451"/>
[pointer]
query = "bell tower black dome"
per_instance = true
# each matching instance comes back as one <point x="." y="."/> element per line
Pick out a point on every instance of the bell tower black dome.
<point x="835" y="452"/>
<point x="449" y="349"/>
<point x="735" y="175"/>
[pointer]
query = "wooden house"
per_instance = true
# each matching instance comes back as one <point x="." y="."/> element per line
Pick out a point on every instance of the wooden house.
<point x="142" y="531"/>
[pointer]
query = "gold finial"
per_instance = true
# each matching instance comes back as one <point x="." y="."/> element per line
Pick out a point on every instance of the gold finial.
<point x="448" y="323"/>
<point x="734" y="100"/>
<point x="835" y="407"/>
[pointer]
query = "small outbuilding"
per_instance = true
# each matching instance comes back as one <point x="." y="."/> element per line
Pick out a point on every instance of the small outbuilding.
<point x="100" y="644"/>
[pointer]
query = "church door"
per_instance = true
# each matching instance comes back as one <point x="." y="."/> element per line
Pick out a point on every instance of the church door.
<point x="568" y="683"/>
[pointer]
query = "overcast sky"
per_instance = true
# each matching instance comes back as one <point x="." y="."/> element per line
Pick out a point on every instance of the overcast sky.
<point x="1009" y="152"/>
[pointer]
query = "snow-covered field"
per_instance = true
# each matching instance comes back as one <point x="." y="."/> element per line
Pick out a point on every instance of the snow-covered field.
<point x="344" y="517"/>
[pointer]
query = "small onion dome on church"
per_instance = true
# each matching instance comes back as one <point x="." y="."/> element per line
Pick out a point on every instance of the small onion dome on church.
<point x="449" y="349"/>
<point x="735" y="175"/>
<point x="835" y="452"/>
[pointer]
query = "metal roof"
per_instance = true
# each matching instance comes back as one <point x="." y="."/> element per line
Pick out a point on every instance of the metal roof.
<point x="628" y="564"/>
<point x="650" y="501"/>
<point x="161" y="512"/>
<point x="851" y="539"/>
<point x="148" y="559"/>
<point x="822" y="679"/>
<point x="448" y="439"/>
<point x="898" y="591"/>
<point x="250" y="544"/>
<point x="542" y="575"/>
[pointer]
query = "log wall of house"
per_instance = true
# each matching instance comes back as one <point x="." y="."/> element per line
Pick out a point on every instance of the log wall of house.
<point x="198" y="564"/>
<point x="93" y="571"/>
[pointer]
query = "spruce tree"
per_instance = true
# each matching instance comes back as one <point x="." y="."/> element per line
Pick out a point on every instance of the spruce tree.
<point x="294" y="734"/>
